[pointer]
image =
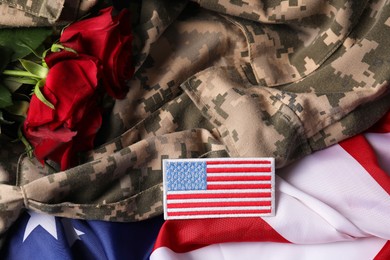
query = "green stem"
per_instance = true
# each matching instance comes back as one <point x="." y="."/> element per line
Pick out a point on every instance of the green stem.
<point x="57" y="47"/>
<point x="29" y="148"/>
<point x="39" y="94"/>
<point x="19" y="73"/>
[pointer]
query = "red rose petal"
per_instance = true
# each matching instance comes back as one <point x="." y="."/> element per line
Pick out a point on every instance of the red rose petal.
<point x="73" y="82"/>
<point x="109" y="39"/>
<point x="104" y="51"/>
<point x="42" y="113"/>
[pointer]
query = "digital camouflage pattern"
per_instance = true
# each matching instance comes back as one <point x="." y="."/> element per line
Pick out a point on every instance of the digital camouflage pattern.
<point x="24" y="13"/>
<point x="218" y="78"/>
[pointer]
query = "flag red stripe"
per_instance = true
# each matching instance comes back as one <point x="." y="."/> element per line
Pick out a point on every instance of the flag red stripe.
<point x="239" y="178"/>
<point x="219" y="212"/>
<point x="218" y="195"/>
<point x="189" y="235"/>
<point x="218" y="204"/>
<point x="238" y="169"/>
<point x="384" y="253"/>
<point x="238" y="186"/>
<point x="237" y="162"/>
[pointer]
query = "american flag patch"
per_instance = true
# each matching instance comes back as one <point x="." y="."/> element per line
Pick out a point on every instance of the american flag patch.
<point x="218" y="188"/>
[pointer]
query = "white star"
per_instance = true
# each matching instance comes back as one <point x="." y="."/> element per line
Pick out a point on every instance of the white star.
<point x="47" y="222"/>
<point x="72" y="234"/>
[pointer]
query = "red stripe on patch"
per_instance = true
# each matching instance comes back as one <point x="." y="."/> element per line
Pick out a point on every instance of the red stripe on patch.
<point x="219" y="212"/>
<point x="218" y="196"/>
<point x="237" y="162"/>
<point x="219" y="204"/>
<point x="241" y="169"/>
<point x="238" y="186"/>
<point x="239" y="178"/>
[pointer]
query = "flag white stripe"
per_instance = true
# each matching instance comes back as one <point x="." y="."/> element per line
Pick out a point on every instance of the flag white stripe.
<point x="381" y="144"/>
<point x="219" y="200"/>
<point x="219" y="191"/>
<point x="327" y="183"/>
<point x="217" y="208"/>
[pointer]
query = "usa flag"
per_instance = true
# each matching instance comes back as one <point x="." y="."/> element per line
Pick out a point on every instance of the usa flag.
<point x="215" y="188"/>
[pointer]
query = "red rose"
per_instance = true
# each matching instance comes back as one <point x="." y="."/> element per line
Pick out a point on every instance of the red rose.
<point x="109" y="39"/>
<point x="71" y="127"/>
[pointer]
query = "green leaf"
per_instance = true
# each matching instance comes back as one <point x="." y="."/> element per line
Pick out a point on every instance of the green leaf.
<point x="34" y="68"/>
<point x="11" y="85"/>
<point x="19" y="73"/>
<point x="22" y="44"/>
<point x="5" y="54"/>
<point x="17" y="39"/>
<point x="40" y="96"/>
<point x="5" y="97"/>
<point x="29" y="148"/>
<point x="14" y="83"/>
<point x="19" y="108"/>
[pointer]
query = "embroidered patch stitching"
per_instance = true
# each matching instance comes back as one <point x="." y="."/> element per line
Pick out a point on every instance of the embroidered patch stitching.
<point x="218" y="188"/>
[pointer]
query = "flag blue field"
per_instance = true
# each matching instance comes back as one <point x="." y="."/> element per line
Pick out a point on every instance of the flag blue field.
<point x="39" y="236"/>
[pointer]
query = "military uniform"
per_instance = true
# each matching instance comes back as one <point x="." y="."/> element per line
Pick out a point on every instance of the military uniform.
<point x="23" y="13"/>
<point x="217" y="78"/>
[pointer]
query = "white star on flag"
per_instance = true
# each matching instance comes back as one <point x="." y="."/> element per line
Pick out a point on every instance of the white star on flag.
<point x="72" y="234"/>
<point x="48" y="223"/>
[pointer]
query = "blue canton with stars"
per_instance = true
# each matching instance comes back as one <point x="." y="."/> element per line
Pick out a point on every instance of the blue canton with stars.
<point x="186" y="176"/>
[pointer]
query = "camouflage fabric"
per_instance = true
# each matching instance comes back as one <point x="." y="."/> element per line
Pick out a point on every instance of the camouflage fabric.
<point x="217" y="79"/>
<point x="22" y="13"/>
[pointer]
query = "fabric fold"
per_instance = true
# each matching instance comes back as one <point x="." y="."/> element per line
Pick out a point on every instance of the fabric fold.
<point x="218" y="78"/>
